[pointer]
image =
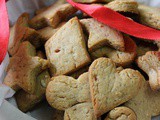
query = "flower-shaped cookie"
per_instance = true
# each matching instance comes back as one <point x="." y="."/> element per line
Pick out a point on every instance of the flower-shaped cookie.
<point x="21" y="32"/>
<point x="150" y="63"/>
<point x="102" y="35"/>
<point x="111" y="87"/>
<point x="67" y="52"/>
<point x="26" y="101"/>
<point x="52" y="16"/>
<point x="24" y="67"/>
<point x="120" y="58"/>
<point x="64" y="91"/>
<point x="121" y="113"/>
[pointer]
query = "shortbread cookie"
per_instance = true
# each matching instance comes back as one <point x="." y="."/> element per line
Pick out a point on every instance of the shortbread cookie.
<point x="102" y="35"/>
<point x="120" y="58"/>
<point x="55" y="4"/>
<point x="109" y="87"/>
<point x="27" y="101"/>
<point x="58" y="115"/>
<point x="146" y="103"/>
<point x="21" y="32"/>
<point x="150" y="63"/>
<point x="67" y="52"/>
<point x="48" y="32"/>
<point x="77" y="73"/>
<point x="121" y="113"/>
<point x="149" y="16"/>
<point x="52" y="16"/>
<point x="130" y="6"/>
<point x="24" y="67"/>
<point x="92" y="1"/>
<point x="83" y="111"/>
<point x="64" y="91"/>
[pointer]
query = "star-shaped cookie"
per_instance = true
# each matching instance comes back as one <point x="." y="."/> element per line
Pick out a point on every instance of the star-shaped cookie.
<point x="24" y="67"/>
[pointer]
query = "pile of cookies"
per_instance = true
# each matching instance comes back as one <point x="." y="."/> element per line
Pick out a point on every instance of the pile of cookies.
<point x="83" y="68"/>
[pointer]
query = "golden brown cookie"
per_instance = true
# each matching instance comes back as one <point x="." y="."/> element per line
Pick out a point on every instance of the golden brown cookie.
<point x="27" y="101"/>
<point x="102" y="35"/>
<point x="146" y="103"/>
<point x="52" y="16"/>
<point x="110" y="87"/>
<point x="150" y="63"/>
<point x="21" y="32"/>
<point x="149" y="16"/>
<point x="48" y="32"/>
<point x="66" y="50"/>
<point x="120" y="58"/>
<point x="130" y="6"/>
<point x="121" y="113"/>
<point x="24" y="67"/>
<point x="83" y="111"/>
<point x="64" y="91"/>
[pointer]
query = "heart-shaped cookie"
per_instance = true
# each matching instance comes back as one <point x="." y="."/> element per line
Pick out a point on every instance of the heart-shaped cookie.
<point x="110" y="87"/>
<point x="64" y="91"/>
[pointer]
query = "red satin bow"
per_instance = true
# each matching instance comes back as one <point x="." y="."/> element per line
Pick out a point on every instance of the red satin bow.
<point x="118" y="21"/>
<point x="4" y="30"/>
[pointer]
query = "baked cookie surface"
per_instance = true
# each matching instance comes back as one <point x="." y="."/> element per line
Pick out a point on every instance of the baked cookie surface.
<point x="146" y="103"/>
<point x="52" y="16"/>
<point x="150" y="63"/>
<point x="83" y="111"/>
<point x="25" y="59"/>
<point x="121" y="113"/>
<point x="102" y="35"/>
<point x="27" y="101"/>
<point x="66" y="50"/>
<point x="120" y="58"/>
<point x="110" y="87"/>
<point x="64" y="92"/>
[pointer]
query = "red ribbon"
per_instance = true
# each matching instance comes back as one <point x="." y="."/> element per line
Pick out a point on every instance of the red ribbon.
<point x="4" y="30"/>
<point x="118" y="21"/>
